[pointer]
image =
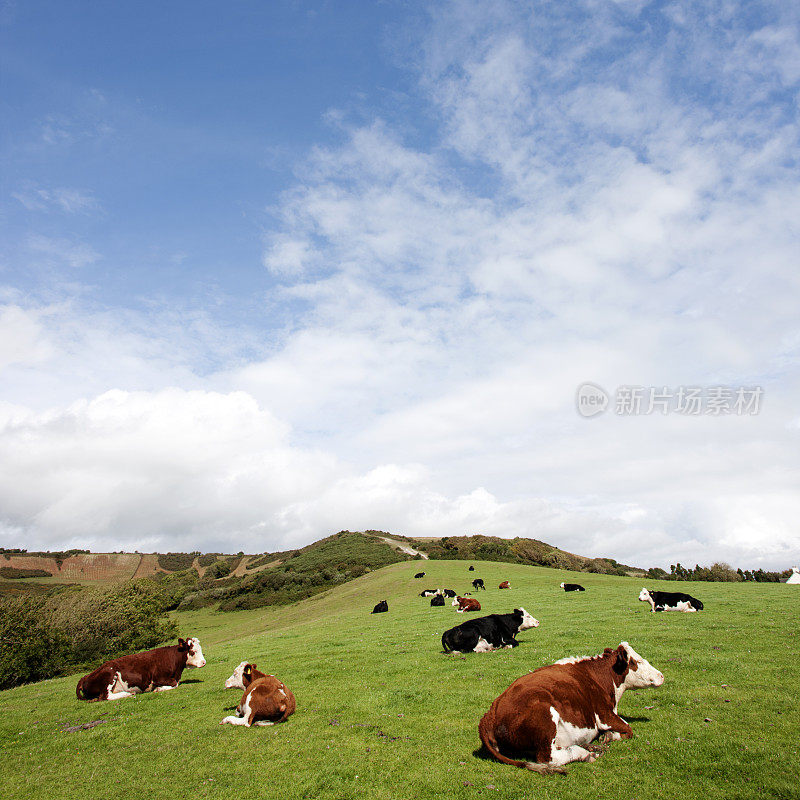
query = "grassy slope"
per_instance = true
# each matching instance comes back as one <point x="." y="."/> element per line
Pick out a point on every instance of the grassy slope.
<point x="383" y="714"/>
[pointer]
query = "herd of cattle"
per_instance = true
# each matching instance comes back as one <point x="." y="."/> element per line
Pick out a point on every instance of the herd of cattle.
<point x="548" y="715"/>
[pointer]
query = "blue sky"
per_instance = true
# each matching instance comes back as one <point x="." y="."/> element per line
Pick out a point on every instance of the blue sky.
<point x="272" y="270"/>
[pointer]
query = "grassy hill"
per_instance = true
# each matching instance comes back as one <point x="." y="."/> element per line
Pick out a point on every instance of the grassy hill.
<point x="382" y="713"/>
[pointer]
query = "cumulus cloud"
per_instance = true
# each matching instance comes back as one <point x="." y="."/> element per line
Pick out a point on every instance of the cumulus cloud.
<point x="608" y="194"/>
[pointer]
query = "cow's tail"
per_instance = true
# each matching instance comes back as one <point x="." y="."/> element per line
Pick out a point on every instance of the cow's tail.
<point x="486" y="732"/>
<point x="445" y="646"/>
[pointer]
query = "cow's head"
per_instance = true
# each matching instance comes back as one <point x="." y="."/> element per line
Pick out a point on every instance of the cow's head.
<point x="248" y="674"/>
<point x="635" y="671"/>
<point x="644" y="596"/>
<point x="457" y="601"/>
<point x="194" y="653"/>
<point x="562" y="585"/>
<point x="235" y="681"/>
<point x="527" y="621"/>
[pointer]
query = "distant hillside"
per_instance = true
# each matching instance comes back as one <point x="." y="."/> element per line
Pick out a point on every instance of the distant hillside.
<point x="233" y="582"/>
<point x="519" y="551"/>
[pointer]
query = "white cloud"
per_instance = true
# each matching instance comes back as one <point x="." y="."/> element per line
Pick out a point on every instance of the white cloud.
<point x="589" y="211"/>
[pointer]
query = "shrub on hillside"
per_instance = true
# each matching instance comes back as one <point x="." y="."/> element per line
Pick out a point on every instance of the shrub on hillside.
<point x="31" y="647"/>
<point x="174" y="562"/>
<point x="103" y="623"/>
<point x="18" y="573"/>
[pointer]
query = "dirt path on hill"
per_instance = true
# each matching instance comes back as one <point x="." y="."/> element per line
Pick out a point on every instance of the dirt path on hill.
<point x="404" y="547"/>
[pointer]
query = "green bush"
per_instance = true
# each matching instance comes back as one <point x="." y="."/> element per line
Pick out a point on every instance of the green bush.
<point x="31" y="647"/>
<point x="174" y="562"/>
<point x="17" y="573"/>
<point x="45" y="635"/>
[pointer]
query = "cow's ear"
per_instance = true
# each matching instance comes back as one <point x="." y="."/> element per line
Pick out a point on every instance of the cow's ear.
<point x="621" y="663"/>
<point x="182" y="644"/>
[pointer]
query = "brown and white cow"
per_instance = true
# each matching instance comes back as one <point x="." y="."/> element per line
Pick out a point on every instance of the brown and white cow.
<point x="154" y="670"/>
<point x="265" y="701"/>
<point x="552" y="713"/>
<point x="504" y="585"/>
<point x="466" y="604"/>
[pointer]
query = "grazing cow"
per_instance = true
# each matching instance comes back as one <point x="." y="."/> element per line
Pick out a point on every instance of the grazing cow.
<point x="154" y="670"/>
<point x="420" y="575"/>
<point x="437" y="600"/>
<point x="380" y="608"/>
<point x="483" y="634"/>
<point x="504" y="585"/>
<point x="572" y="587"/>
<point x="478" y="584"/>
<point x="265" y="700"/>
<point x="429" y="593"/>
<point x="471" y="568"/>
<point x="448" y="593"/>
<point x="552" y="713"/>
<point x="466" y="604"/>
<point x="670" y="601"/>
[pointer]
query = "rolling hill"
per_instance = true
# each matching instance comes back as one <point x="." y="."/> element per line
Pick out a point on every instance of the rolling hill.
<point x="383" y="714"/>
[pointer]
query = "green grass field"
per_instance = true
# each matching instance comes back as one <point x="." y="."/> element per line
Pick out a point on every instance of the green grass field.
<point x="382" y="713"/>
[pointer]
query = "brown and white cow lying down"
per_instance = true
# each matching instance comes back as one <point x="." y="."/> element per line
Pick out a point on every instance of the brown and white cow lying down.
<point x="552" y="713"/>
<point x="265" y="700"/>
<point x="466" y="604"/>
<point x="154" y="670"/>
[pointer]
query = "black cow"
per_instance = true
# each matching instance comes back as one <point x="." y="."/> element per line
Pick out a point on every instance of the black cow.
<point x="471" y="568"/>
<point x="448" y="593"/>
<point x="483" y="634"/>
<point x="437" y="600"/>
<point x="420" y="575"/>
<point x="381" y="607"/>
<point x="572" y="587"/>
<point x="670" y="601"/>
<point x="478" y="584"/>
<point x="428" y="592"/>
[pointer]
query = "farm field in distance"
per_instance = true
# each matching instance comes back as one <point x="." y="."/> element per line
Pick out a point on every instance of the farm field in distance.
<point x="383" y="713"/>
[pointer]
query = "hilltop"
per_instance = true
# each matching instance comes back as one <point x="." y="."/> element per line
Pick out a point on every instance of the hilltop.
<point x="241" y="581"/>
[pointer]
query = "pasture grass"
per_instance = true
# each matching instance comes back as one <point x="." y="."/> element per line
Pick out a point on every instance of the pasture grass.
<point x="383" y="714"/>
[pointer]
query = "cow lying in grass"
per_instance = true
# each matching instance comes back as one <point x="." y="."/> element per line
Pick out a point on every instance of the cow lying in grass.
<point x="552" y="713"/>
<point x="466" y="604"/>
<point x="154" y="670"/>
<point x="265" y="700"/>
<point x="670" y="601"/>
<point x="483" y="634"/>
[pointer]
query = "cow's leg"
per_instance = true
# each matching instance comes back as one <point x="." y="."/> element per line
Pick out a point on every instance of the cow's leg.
<point x="243" y="718"/>
<point x="566" y="755"/>
<point x="615" y="727"/>
<point x="118" y="689"/>
<point x="165" y="688"/>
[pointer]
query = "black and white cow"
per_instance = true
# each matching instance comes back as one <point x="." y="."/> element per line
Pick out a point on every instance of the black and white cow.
<point x="670" y="601"/>
<point x="572" y="587"/>
<point x="448" y="593"/>
<point x="437" y="600"/>
<point x="478" y="584"/>
<point x="482" y="634"/>
<point x="428" y="592"/>
<point x="381" y="607"/>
